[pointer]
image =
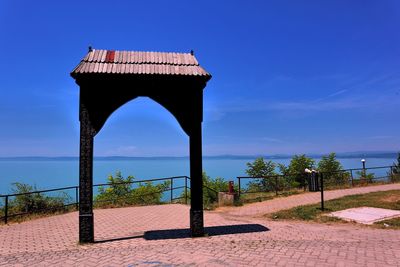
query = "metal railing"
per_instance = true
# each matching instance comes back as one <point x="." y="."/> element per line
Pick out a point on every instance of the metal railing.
<point x="339" y="179"/>
<point x="74" y="197"/>
<point x="275" y="184"/>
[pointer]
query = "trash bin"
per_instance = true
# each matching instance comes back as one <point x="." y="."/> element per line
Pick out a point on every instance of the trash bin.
<point x="313" y="182"/>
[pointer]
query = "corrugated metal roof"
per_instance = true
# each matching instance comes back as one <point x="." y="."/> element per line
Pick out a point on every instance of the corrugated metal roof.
<point x="136" y="62"/>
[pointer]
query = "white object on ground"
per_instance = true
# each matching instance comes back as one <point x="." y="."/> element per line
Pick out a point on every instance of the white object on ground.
<point x="366" y="215"/>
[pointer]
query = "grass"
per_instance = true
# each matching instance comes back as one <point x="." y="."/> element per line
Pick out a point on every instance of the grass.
<point x="383" y="199"/>
<point x="250" y="197"/>
<point x="262" y="196"/>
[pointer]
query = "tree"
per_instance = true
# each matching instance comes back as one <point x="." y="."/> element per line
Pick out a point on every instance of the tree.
<point x="329" y="163"/>
<point x="287" y="180"/>
<point x="119" y="186"/>
<point x="263" y="170"/>
<point x="299" y="163"/>
<point x="120" y="192"/>
<point x="296" y="168"/>
<point x="331" y="169"/>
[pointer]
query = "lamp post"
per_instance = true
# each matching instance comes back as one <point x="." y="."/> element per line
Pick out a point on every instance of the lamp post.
<point x="315" y="174"/>
<point x="364" y="172"/>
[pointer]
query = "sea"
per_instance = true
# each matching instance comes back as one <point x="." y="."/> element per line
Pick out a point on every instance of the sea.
<point x="47" y="173"/>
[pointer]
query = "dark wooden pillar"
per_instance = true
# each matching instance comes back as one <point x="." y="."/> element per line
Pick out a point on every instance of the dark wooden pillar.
<point x="196" y="184"/>
<point x="86" y="222"/>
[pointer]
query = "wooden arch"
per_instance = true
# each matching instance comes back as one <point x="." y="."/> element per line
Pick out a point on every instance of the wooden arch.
<point x="107" y="80"/>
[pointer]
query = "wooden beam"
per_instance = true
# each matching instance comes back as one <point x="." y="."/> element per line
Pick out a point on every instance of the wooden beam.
<point x="86" y="222"/>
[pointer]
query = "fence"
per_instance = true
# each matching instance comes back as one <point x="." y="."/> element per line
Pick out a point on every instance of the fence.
<point x="15" y="205"/>
<point x="273" y="185"/>
<point x="36" y="202"/>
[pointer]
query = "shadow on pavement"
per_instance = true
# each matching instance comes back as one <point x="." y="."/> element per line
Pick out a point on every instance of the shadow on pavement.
<point x="185" y="233"/>
<point x="210" y="231"/>
<point x="139" y="235"/>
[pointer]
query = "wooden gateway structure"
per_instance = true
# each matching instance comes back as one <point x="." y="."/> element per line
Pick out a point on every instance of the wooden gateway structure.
<point x="108" y="79"/>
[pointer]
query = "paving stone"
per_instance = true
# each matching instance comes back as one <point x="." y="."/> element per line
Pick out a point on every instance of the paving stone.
<point x="52" y="241"/>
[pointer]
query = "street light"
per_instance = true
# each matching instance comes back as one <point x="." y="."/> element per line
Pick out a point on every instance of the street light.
<point x="364" y="172"/>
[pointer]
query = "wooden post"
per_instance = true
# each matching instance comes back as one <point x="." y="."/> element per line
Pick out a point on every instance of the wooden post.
<point x="86" y="222"/>
<point x="196" y="184"/>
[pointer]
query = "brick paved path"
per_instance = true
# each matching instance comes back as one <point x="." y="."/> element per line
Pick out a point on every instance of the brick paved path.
<point x="241" y="241"/>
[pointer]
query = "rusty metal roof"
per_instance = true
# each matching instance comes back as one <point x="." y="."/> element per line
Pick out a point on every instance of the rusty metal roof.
<point x="136" y="62"/>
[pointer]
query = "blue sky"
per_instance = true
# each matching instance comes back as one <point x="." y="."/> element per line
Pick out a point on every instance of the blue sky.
<point x="288" y="76"/>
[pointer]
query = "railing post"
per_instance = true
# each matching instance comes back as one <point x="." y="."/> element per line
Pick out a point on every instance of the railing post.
<point x="76" y="197"/>
<point x="6" y="210"/>
<point x="322" y="191"/>
<point x="352" y="178"/>
<point x="172" y="188"/>
<point x="391" y="174"/>
<point x="238" y="186"/>
<point x="186" y="190"/>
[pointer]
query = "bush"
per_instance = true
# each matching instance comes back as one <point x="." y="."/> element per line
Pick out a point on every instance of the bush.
<point x="366" y="177"/>
<point x="211" y="187"/>
<point x="36" y="202"/>
<point x="332" y="170"/>
<point x="394" y="177"/>
<point x="264" y="170"/>
<point x="120" y="192"/>
<point x="297" y="166"/>
<point x="294" y="175"/>
<point x="289" y="179"/>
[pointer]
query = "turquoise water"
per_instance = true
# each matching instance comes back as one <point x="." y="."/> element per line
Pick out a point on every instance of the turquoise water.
<point x="59" y="173"/>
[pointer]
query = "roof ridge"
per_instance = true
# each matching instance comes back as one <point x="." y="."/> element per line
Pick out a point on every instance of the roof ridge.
<point x="142" y="51"/>
<point x="140" y="62"/>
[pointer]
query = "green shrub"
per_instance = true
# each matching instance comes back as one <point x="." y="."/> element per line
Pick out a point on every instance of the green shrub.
<point x="367" y="177"/>
<point x="120" y="192"/>
<point x="394" y="177"/>
<point x="332" y="170"/>
<point x="264" y="170"/>
<point x="211" y="187"/>
<point x="292" y="176"/>
<point x="36" y="202"/>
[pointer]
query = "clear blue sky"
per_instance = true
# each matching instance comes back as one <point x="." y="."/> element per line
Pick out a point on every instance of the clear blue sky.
<point x="288" y="76"/>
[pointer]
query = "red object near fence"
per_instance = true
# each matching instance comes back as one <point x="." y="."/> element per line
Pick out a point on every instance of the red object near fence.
<point x="230" y="186"/>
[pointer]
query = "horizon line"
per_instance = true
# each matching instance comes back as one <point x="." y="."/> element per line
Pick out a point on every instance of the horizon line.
<point x="339" y="154"/>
